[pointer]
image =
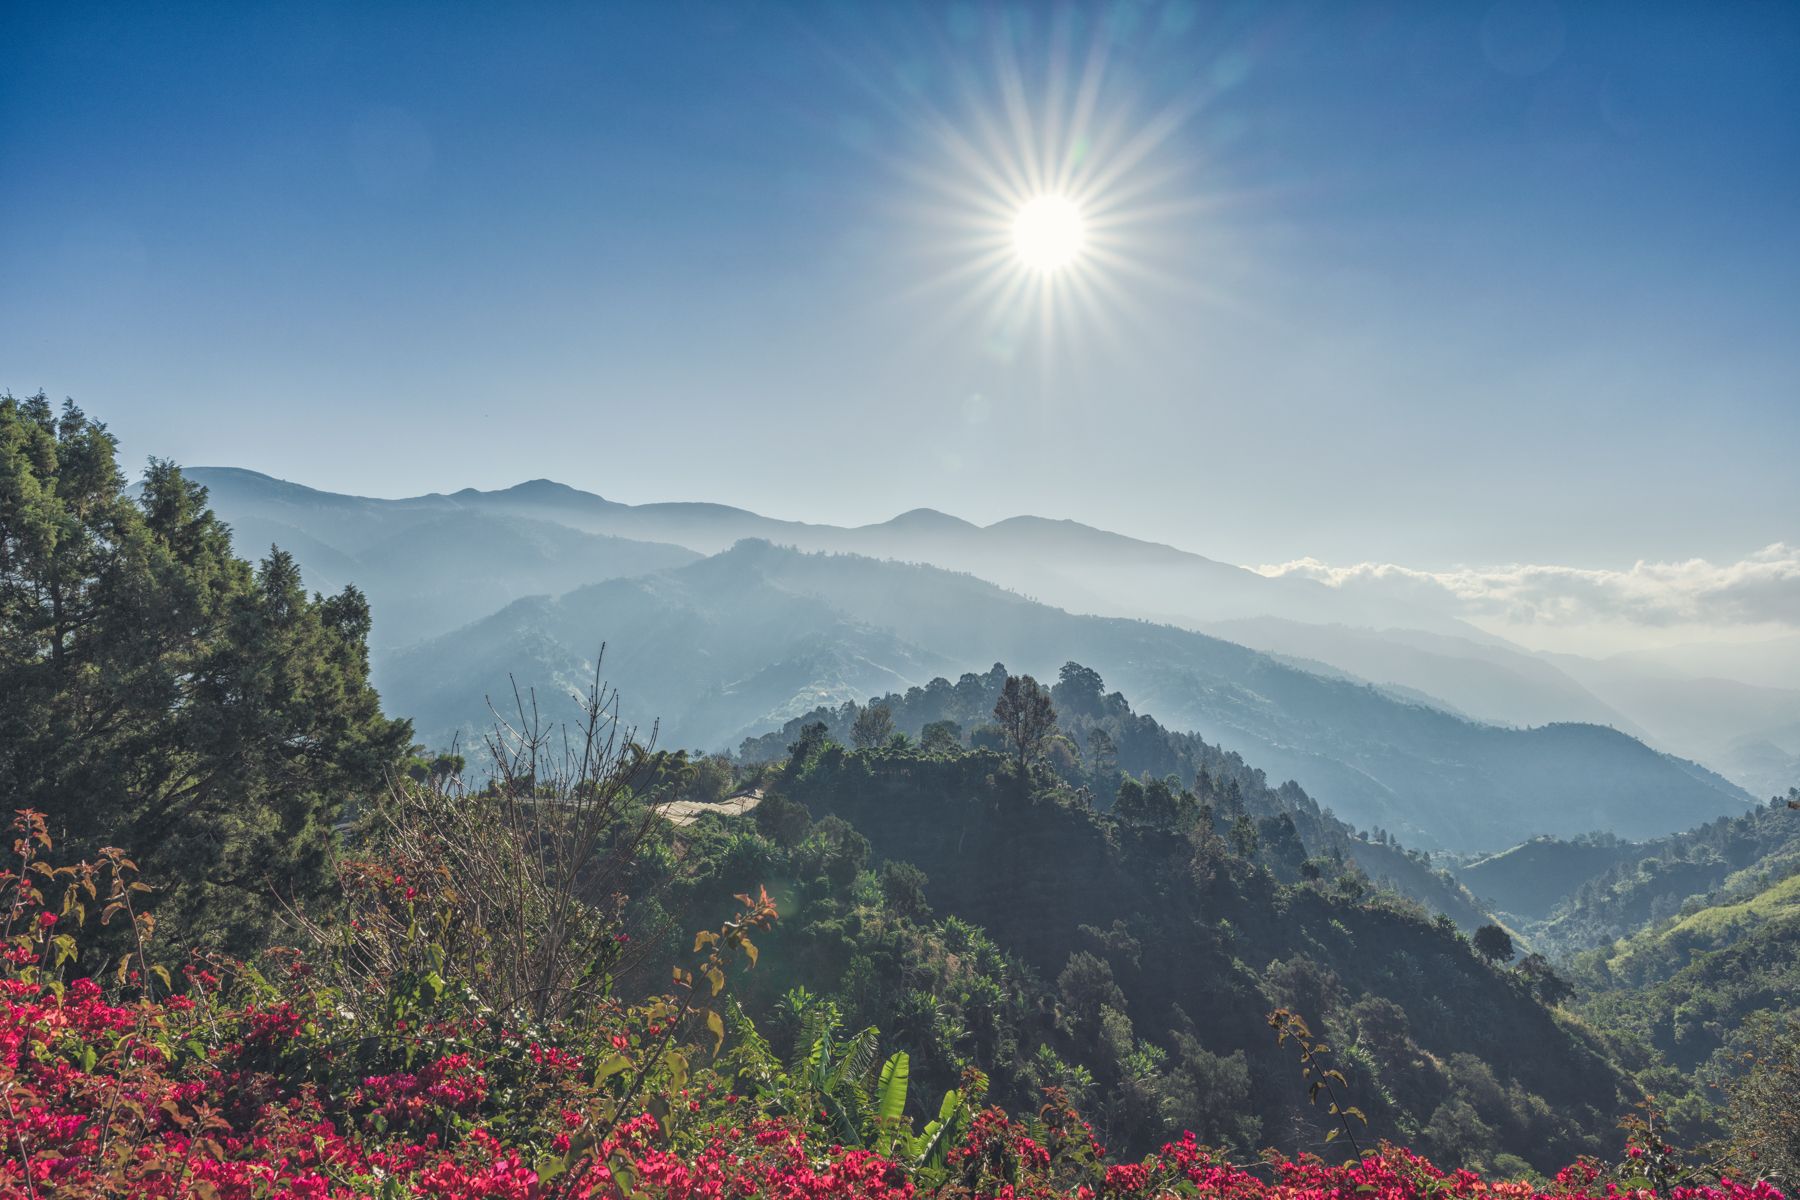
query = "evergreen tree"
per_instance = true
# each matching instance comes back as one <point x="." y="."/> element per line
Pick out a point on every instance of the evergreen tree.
<point x="1026" y="718"/>
<point x="158" y="693"/>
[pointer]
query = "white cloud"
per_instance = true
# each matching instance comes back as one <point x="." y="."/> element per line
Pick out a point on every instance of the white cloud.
<point x="1761" y="589"/>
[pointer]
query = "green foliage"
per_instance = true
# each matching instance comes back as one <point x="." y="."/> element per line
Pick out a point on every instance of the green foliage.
<point x="156" y="691"/>
<point x="903" y="889"/>
<point x="940" y="737"/>
<point x="1106" y="750"/>
<point x="1662" y="882"/>
<point x="1493" y="943"/>
<point x="873" y="727"/>
<point x="1162" y="915"/>
<point x="1764" y="1139"/>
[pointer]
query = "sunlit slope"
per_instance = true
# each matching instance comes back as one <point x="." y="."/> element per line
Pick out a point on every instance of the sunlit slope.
<point x="1690" y="983"/>
<point x="1656" y="883"/>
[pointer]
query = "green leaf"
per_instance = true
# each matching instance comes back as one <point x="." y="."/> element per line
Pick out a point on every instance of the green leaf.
<point x="890" y="1090"/>
<point x="934" y="1144"/>
<point x="436" y="983"/>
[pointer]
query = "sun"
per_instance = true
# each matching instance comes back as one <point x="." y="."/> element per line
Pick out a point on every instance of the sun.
<point x="1048" y="232"/>
<point x="1053" y="206"/>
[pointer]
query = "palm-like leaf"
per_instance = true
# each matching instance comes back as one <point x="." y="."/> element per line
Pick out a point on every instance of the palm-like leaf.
<point x="932" y="1147"/>
<point x="854" y="1070"/>
<point x="890" y="1089"/>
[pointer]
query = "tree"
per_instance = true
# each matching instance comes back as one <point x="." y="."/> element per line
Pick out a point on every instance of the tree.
<point x="1154" y="803"/>
<point x="1550" y="988"/>
<point x="1103" y="762"/>
<point x="903" y="887"/>
<point x="814" y="737"/>
<point x="159" y="693"/>
<point x="833" y="851"/>
<point x="1457" y="1134"/>
<point x="941" y="737"/>
<point x="1382" y="1026"/>
<point x="874" y="726"/>
<point x="1026" y="717"/>
<point x="1244" y="838"/>
<point x="1494" y="944"/>
<point x="1086" y="985"/>
<point x="1078" y="689"/>
<point x="433" y="770"/>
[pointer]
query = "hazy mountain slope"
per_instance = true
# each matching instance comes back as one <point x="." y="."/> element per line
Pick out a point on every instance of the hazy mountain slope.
<point x="1410" y="650"/>
<point x="712" y="628"/>
<point x="712" y="658"/>
<point x="1061" y="562"/>
<point x="1749" y="732"/>
<point x="348" y="523"/>
<point x="1441" y="780"/>
<point x="456" y="567"/>
<point x="1771" y="662"/>
<point x="427" y="565"/>
<point x="1483" y="680"/>
<point x="325" y="568"/>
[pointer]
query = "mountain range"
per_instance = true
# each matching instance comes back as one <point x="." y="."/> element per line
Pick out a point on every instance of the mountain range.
<point x="724" y="624"/>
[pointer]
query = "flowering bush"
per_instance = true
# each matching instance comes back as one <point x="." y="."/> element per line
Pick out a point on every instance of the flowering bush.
<point x="233" y="1081"/>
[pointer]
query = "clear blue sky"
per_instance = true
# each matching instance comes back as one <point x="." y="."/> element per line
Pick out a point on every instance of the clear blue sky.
<point x="1421" y="282"/>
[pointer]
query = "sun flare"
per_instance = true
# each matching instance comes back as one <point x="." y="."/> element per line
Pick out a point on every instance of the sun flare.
<point x="1049" y="199"/>
<point x="1048" y="233"/>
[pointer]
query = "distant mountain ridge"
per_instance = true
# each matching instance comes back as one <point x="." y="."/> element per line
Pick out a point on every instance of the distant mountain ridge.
<point x="1057" y="561"/>
<point x="471" y="587"/>
<point x="704" y="646"/>
<point x="430" y="563"/>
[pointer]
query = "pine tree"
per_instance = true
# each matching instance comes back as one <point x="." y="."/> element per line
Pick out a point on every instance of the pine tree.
<point x="158" y="693"/>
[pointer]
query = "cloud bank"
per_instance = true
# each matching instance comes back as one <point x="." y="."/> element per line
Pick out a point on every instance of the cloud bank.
<point x="1760" y="589"/>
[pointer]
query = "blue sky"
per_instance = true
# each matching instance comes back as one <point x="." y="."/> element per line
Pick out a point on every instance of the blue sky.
<point x="1412" y="282"/>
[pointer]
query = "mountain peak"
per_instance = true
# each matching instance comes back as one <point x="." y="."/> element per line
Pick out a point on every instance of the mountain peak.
<point x="924" y="520"/>
<point x="547" y="488"/>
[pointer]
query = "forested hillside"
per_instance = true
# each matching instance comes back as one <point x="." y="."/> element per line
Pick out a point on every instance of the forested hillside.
<point x="1108" y="750"/>
<point x="1187" y="934"/>
<point x="1658" y="880"/>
